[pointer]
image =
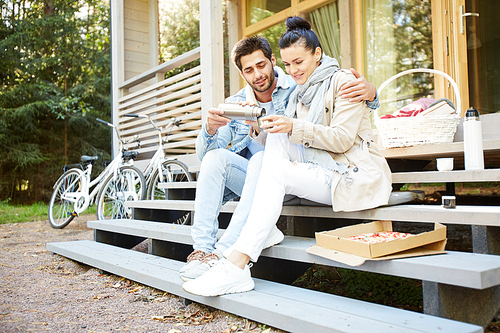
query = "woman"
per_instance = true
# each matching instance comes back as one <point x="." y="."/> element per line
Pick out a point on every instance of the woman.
<point x="321" y="150"/>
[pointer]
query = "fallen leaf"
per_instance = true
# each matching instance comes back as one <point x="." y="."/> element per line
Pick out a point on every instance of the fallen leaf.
<point x="267" y="331"/>
<point x="173" y="330"/>
<point x="101" y="296"/>
<point x="135" y="289"/>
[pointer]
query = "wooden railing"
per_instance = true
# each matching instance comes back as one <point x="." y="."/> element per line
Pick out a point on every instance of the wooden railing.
<point x="178" y="96"/>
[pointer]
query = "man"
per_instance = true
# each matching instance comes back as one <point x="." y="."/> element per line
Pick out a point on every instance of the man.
<point x="231" y="152"/>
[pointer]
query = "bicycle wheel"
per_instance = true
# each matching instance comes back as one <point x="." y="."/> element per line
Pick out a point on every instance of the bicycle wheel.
<point x="128" y="185"/>
<point x="172" y="171"/>
<point x="61" y="210"/>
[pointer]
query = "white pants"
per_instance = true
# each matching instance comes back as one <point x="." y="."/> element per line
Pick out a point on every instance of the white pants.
<point x="283" y="172"/>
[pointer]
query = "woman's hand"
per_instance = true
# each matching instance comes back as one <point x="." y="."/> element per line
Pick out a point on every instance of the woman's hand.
<point x="254" y="125"/>
<point x="277" y="124"/>
<point x="359" y="89"/>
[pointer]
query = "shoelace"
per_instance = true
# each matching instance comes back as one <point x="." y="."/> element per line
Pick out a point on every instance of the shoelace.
<point x="210" y="259"/>
<point x="196" y="255"/>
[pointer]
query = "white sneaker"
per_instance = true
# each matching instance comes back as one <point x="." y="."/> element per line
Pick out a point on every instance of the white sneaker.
<point x="223" y="278"/>
<point x="275" y="237"/>
<point x="205" y="264"/>
<point x="193" y="260"/>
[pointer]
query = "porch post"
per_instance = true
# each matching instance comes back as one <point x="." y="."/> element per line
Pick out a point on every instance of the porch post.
<point x="211" y="54"/>
<point x="234" y="35"/>
<point x="117" y="64"/>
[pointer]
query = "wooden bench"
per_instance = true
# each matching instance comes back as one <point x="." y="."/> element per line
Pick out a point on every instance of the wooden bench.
<point x="286" y="307"/>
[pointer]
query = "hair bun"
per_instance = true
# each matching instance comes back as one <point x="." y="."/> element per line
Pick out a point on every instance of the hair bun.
<point x="297" y="23"/>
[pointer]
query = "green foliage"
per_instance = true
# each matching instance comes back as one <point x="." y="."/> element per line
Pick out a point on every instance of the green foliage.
<point x="55" y="79"/>
<point x="382" y="289"/>
<point x="179" y="30"/>
<point x="376" y="288"/>
<point x="16" y="213"/>
<point x="180" y="33"/>
<point x="27" y="213"/>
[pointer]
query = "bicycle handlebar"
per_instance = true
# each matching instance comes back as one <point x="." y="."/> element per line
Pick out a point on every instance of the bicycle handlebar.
<point x="132" y="115"/>
<point x="103" y="122"/>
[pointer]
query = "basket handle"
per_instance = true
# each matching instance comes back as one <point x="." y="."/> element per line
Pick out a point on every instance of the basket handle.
<point x="424" y="70"/>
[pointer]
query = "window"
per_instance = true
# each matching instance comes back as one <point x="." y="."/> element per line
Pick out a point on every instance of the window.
<point x="257" y="10"/>
<point x="398" y="36"/>
<point x="267" y="18"/>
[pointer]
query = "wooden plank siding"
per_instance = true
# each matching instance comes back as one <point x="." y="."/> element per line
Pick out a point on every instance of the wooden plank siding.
<point x="136" y="38"/>
<point x="176" y="97"/>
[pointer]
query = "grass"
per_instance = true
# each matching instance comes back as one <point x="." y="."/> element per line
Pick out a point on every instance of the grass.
<point x="27" y="213"/>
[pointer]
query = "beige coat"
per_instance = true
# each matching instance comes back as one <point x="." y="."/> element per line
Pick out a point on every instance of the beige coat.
<point x="347" y="135"/>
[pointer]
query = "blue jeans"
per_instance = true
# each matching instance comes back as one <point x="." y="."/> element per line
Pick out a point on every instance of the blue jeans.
<point x="221" y="178"/>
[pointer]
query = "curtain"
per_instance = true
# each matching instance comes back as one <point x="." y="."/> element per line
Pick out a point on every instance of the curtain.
<point x="325" y="21"/>
<point x="380" y="47"/>
<point x="379" y="40"/>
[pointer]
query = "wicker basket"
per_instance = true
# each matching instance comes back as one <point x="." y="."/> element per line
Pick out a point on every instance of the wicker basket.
<point x="411" y="131"/>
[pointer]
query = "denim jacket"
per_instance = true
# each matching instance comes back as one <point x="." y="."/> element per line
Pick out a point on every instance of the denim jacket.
<point x="235" y="136"/>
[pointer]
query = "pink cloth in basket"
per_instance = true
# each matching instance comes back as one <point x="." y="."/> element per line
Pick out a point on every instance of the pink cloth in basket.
<point x="411" y="109"/>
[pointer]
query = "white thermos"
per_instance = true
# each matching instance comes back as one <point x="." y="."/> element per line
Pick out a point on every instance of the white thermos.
<point x="473" y="141"/>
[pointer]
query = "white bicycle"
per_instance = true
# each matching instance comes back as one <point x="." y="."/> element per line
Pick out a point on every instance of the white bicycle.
<point x="120" y="181"/>
<point x="161" y="170"/>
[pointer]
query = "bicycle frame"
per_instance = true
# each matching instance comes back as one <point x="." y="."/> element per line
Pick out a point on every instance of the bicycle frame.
<point x="85" y="197"/>
<point x="159" y="156"/>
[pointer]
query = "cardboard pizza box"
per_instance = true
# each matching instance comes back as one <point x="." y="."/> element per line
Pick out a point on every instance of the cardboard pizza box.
<point x="336" y="245"/>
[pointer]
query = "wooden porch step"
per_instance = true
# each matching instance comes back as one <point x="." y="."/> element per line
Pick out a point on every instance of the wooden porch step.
<point x="478" y="271"/>
<point x="177" y="185"/>
<point x="285" y="307"/>
<point x="468" y="215"/>
<point x="455" y="176"/>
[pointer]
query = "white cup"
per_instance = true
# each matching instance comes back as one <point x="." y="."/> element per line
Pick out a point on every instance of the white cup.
<point x="445" y="164"/>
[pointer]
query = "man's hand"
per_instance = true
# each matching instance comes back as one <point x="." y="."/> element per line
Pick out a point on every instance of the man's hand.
<point x="277" y="124"/>
<point x="215" y="120"/>
<point x="359" y="89"/>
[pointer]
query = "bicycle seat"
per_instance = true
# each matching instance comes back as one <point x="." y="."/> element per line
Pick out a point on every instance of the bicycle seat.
<point x="130" y="155"/>
<point x="86" y="158"/>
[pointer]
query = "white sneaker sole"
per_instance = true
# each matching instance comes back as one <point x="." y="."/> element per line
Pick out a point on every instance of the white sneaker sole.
<point x="275" y="237"/>
<point x="223" y="291"/>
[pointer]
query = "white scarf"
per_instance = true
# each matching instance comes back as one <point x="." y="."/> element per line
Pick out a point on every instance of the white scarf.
<point x="312" y="94"/>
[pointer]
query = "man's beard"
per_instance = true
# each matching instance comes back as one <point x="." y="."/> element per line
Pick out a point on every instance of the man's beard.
<point x="266" y="87"/>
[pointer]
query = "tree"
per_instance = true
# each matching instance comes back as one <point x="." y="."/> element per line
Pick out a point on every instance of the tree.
<point x="55" y="79"/>
<point x="179" y="29"/>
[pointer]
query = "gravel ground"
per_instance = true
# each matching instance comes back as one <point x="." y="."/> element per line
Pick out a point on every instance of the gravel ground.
<point x="40" y="291"/>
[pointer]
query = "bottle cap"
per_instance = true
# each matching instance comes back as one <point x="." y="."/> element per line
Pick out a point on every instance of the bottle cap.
<point x="472" y="113"/>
